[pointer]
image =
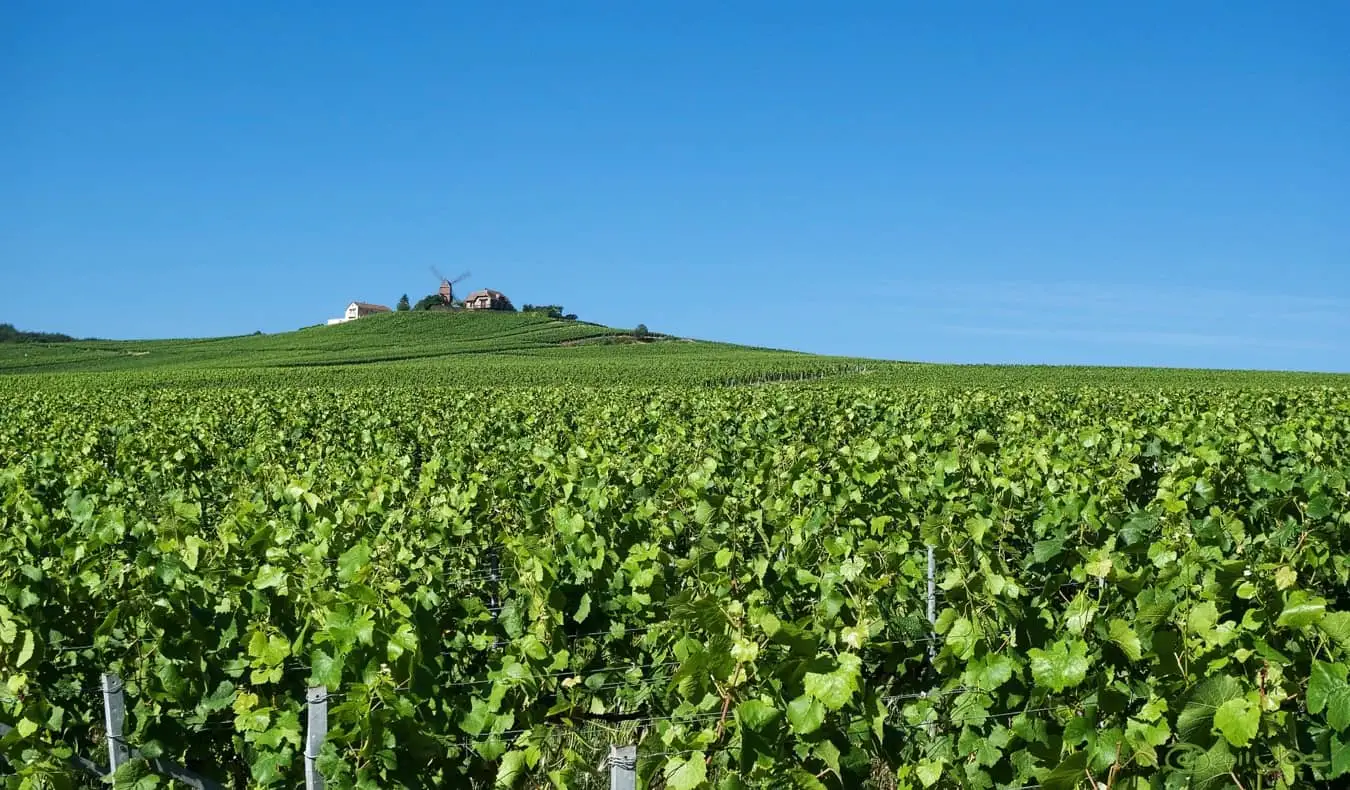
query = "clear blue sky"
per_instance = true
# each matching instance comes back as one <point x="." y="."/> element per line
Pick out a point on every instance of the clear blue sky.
<point x="1121" y="183"/>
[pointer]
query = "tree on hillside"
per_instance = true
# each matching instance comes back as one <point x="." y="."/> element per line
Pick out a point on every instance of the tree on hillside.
<point x="429" y="301"/>
<point x="8" y="334"/>
<point x="403" y="304"/>
<point x="641" y="331"/>
<point x="551" y="310"/>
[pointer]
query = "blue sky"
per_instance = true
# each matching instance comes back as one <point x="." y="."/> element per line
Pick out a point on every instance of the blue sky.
<point x="1152" y="183"/>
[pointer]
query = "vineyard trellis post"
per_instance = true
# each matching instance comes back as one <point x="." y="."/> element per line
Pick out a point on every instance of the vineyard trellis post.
<point x="114" y="720"/>
<point x="932" y="601"/>
<point x="316" y="729"/>
<point x="623" y="768"/>
<point x="932" y="587"/>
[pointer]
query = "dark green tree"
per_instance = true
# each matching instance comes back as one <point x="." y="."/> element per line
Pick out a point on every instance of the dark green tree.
<point x="403" y="304"/>
<point x="8" y="334"/>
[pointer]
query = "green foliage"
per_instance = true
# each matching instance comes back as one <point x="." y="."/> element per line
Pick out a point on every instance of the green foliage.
<point x="550" y="310"/>
<point x="403" y="304"/>
<point x="8" y="334"/>
<point x="1144" y="585"/>
<point x="429" y="301"/>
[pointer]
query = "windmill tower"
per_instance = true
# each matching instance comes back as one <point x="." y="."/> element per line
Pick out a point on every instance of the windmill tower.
<point x="447" y="290"/>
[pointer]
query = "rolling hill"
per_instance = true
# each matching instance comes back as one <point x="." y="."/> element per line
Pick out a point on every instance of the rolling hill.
<point x="490" y="348"/>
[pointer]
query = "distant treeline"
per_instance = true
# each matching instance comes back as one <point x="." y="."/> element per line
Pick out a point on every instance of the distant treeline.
<point x="8" y="334"/>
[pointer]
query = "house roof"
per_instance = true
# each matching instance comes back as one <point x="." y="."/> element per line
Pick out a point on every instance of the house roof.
<point x="369" y="306"/>
<point x="488" y="292"/>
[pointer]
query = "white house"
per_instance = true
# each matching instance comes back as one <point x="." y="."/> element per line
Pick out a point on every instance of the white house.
<point x="357" y="310"/>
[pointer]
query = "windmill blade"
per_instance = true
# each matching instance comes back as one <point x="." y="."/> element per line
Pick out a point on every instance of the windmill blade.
<point x="463" y="276"/>
<point x="437" y="272"/>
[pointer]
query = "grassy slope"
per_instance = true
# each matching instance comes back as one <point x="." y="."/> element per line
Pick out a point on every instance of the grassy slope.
<point x="420" y="347"/>
<point x="508" y="348"/>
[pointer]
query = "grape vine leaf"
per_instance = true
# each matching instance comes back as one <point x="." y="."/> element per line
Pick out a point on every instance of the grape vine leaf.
<point x="1064" y="665"/>
<point x="835" y="689"/>
<point x="1302" y="610"/>
<point x="1238" y="720"/>
<point x="511" y="770"/>
<point x="1340" y="757"/>
<point x="929" y="772"/>
<point x="686" y="773"/>
<point x="757" y="714"/>
<point x="1196" y="719"/>
<point x="1328" y="690"/>
<point x="1068" y="774"/>
<point x="805" y="714"/>
<point x="1126" y="639"/>
<point x="352" y="561"/>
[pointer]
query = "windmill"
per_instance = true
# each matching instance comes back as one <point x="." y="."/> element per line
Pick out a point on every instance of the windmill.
<point x="448" y="286"/>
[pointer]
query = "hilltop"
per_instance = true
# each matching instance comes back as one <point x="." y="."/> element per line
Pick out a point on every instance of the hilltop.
<point x="488" y="348"/>
<point x="427" y="346"/>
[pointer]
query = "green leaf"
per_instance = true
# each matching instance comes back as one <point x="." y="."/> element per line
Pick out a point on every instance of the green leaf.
<point x="1126" y="639"/>
<point x="1047" y="550"/>
<point x="1301" y="610"/>
<point x="403" y="640"/>
<point x="1337" y="626"/>
<point x="478" y="718"/>
<point x="353" y="561"/>
<point x="962" y="638"/>
<point x="1069" y="774"/>
<point x="26" y="650"/>
<point x="1063" y="665"/>
<point x="1078" y="616"/>
<point x="928" y="771"/>
<point x="583" y="608"/>
<point x="1196" y="720"/>
<point x="804" y="780"/>
<point x="805" y="714"/>
<point x="1211" y="770"/>
<point x="1328" y="691"/>
<point x="828" y="754"/>
<point x="989" y="672"/>
<point x="1203" y="618"/>
<point x="1319" y="507"/>
<point x="324" y="670"/>
<point x="757" y="714"/>
<point x="834" y="689"/>
<point x="268" y="651"/>
<point x="1340" y="757"/>
<point x="686" y="773"/>
<point x="269" y="576"/>
<point x="511" y="770"/>
<point x="26" y="727"/>
<point x="1238" y="720"/>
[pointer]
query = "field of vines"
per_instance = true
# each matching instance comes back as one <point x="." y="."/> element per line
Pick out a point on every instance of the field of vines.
<point x="1135" y="588"/>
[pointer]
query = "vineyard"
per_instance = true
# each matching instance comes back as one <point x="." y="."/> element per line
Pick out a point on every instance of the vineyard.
<point x="1135" y="586"/>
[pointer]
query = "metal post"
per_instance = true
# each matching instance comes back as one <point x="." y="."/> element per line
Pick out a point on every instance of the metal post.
<point x="623" y="768"/>
<point x="317" y="703"/>
<point x="932" y="602"/>
<point x="493" y="581"/>
<point x="114" y="720"/>
<point x="932" y="587"/>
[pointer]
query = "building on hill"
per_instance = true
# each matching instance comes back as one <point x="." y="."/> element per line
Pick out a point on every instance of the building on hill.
<point x="357" y="310"/>
<point x="487" y="299"/>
